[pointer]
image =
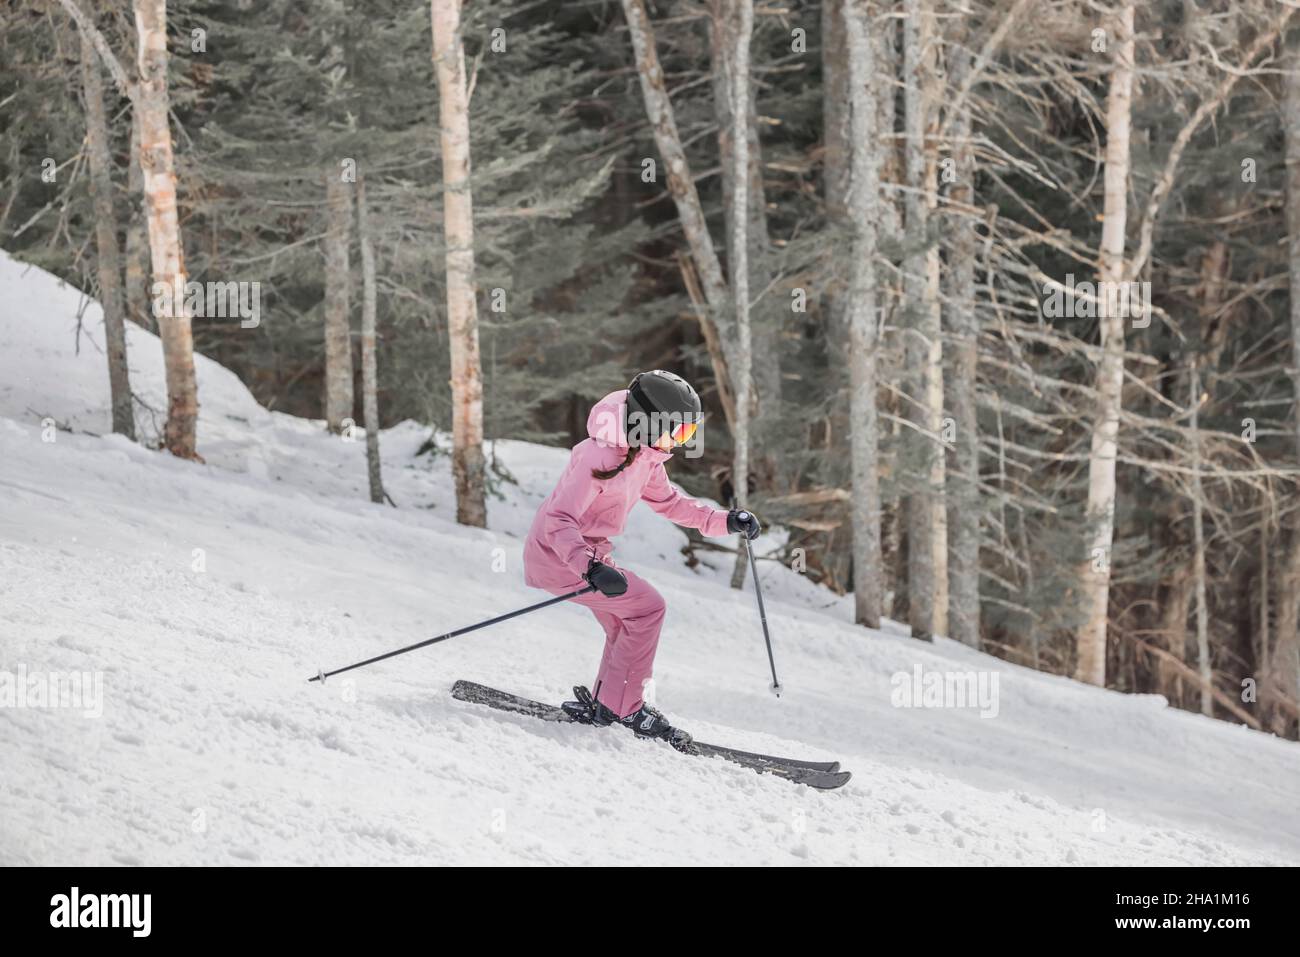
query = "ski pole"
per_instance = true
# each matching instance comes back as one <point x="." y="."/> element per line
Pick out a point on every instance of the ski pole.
<point x="322" y="675"/>
<point x="762" y="612"/>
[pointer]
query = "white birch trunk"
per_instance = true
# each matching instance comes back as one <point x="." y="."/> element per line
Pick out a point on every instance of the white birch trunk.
<point x="766" y="317"/>
<point x="1095" y="571"/>
<point x="927" y="514"/>
<point x="733" y="30"/>
<point x="158" y="169"/>
<point x="468" y="464"/>
<point x="861" y="314"/>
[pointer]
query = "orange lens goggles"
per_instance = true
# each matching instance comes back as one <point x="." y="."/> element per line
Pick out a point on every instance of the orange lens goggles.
<point x="684" y="432"/>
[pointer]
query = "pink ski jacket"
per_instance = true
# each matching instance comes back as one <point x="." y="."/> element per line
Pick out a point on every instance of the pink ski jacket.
<point x="575" y="524"/>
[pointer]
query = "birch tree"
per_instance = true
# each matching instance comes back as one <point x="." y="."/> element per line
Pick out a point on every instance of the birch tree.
<point x="927" y="519"/>
<point x="468" y="466"/>
<point x="108" y="255"/>
<point x="733" y="27"/>
<point x="861" y="317"/>
<point x="166" y="253"/>
<point x="1095" y="572"/>
<point x="151" y="107"/>
<point x="766" y="311"/>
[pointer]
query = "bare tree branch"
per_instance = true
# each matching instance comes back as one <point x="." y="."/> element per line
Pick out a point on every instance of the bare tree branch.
<point x="111" y="62"/>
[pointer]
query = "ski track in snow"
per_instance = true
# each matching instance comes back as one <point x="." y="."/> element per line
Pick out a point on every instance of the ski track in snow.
<point x="212" y="748"/>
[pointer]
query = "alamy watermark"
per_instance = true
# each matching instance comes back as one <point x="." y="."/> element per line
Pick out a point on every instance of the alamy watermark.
<point x="646" y="429"/>
<point x="71" y="690"/>
<point x="209" y="300"/>
<point x="129" y="911"/>
<point x="946" y="689"/>
<point x="1090" y="300"/>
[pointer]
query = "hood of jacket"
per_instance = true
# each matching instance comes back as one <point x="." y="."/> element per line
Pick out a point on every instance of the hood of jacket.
<point x="605" y="425"/>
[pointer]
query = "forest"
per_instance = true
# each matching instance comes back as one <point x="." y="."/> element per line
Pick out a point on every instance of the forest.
<point x="994" y="305"/>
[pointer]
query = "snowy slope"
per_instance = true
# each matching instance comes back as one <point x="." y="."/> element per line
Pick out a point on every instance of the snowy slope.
<point x="212" y="748"/>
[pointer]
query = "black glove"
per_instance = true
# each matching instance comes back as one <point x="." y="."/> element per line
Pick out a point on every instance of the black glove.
<point x="745" y="522"/>
<point x="608" y="581"/>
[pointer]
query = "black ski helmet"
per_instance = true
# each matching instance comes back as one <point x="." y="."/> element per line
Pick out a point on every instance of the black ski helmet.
<point x="658" y="402"/>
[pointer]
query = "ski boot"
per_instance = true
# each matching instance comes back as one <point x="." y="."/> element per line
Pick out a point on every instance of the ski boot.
<point x="645" y="722"/>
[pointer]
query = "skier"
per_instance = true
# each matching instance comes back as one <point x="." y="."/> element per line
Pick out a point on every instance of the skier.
<point x="631" y="434"/>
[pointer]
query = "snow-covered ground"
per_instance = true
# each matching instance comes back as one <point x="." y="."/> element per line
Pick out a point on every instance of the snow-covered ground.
<point x="203" y="596"/>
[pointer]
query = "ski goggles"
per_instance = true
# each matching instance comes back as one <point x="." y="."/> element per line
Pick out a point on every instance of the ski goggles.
<point x="684" y="432"/>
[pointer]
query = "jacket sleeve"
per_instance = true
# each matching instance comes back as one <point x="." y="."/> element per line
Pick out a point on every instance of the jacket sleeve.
<point x="676" y="506"/>
<point x="562" y="524"/>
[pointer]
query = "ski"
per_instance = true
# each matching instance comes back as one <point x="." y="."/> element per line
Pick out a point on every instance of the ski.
<point x="824" y="775"/>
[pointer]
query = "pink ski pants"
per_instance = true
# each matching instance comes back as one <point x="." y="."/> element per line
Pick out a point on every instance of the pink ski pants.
<point x="631" y="622"/>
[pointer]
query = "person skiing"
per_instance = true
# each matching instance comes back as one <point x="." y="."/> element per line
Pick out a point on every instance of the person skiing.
<point x="631" y="433"/>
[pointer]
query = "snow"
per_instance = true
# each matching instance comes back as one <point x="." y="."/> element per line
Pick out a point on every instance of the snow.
<point x="203" y="596"/>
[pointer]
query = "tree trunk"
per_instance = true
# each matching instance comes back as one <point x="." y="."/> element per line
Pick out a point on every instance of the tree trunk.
<point x="927" y="516"/>
<point x="1284" y="662"/>
<point x="681" y="185"/>
<point x="1291" y="129"/>
<point x="1210" y="338"/>
<point x="835" y="109"/>
<point x="1263" y="643"/>
<point x="1031" y="616"/>
<point x="893" y="520"/>
<point x="885" y="39"/>
<point x="339" y="399"/>
<point x="108" y="260"/>
<point x="767" y="314"/>
<point x="1198" y="551"/>
<point x="458" y="224"/>
<point x="837" y="462"/>
<point x="165" y="250"/>
<point x="963" y="487"/>
<point x="137" y="239"/>
<point x="369" y="374"/>
<point x="1285" y="659"/>
<point x="862" y="320"/>
<point x="1173" y="625"/>
<point x="732" y="25"/>
<point x="1095" y="570"/>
